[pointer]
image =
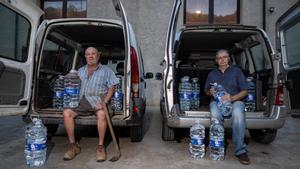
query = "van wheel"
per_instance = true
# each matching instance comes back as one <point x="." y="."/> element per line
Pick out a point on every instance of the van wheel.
<point x="168" y="133"/>
<point x="264" y="136"/>
<point x="51" y="130"/>
<point x="136" y="133"/>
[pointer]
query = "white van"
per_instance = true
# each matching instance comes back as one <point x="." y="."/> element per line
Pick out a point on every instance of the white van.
<point x="32" y="55"/>
<point x="191" y="52"/>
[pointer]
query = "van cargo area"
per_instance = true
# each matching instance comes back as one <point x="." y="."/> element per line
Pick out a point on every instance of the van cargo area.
<point x="63" y="49"/>
<point x="195" y="57"/>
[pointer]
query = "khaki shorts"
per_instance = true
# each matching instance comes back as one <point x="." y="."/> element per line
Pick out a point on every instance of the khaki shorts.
<point x="85" y="108"/>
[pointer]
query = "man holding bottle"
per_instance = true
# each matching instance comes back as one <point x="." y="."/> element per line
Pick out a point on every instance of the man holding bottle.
<point x="235" y="84"/>
<point x="95" y="78"/>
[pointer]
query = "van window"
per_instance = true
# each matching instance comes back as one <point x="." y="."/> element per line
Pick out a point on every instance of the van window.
<point x="292" y="36"/>
<point x="241" y="60"/>
<point x="56" y="58"/>
<point x="259" y="59"/>
<point x="14" y="35"/>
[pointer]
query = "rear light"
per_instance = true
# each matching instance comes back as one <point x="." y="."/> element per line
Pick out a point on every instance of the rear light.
<point x="134" y="72"/>
<point x="135" y="109"/>
<point x="279" y="96"/>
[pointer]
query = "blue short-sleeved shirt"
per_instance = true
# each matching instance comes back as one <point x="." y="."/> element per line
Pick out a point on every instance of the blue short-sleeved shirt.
<point x="233" y="79"/>
<point x="103" y="77"/>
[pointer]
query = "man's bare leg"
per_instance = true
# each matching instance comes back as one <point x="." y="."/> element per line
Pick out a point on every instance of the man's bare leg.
<point x="101" y="125"/>
<point x="69" y="116"/>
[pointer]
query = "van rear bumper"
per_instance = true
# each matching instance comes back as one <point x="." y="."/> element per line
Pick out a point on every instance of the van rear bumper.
<point x="254" y="120"/>
<point x="84" y="120"/>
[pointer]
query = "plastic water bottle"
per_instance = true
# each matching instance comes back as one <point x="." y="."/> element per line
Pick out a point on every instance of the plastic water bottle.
<point x="35" y="144"/>
<point x="250" y="101"/>
<point x="224" y="106"/>
<point x="185" y="93"/>
<point x="216" y="140"/>
<point x="72" y="90"/>
<point x="197" y="145"/>
<point x="195" y="94"/>
<point x="58" y="96"/>
<point x="117" y="99"/>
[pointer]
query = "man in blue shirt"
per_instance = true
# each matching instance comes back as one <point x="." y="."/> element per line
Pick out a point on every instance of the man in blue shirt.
<point x="235" y="84"/>
<point x="95" y="78"/>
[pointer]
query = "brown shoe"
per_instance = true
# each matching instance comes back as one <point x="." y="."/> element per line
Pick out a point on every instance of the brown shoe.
<point x="243" y="158"/>
<point x="101" y="154"/>
<point x="72" y="151"/>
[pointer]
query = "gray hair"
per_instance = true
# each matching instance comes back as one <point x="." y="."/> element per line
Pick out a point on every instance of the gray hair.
<point x="222" y="51"/>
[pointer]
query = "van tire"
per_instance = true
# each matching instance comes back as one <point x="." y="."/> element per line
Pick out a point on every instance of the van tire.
<point x="264" y="136"/>
<point x="168" y="133"/>
<point x="136" y="133"/>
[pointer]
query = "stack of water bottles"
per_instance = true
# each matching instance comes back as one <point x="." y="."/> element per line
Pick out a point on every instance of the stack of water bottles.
<point x="35" y="143"/>
<point x="195" y="105"/>
<point x="250" y="101"/>
<point x="225" y="107"/>
<point x="58" y="96"/>
<point x="197" y="144"/>
<point x="117" y="99"/>
<point x="185" y="93"/>
<point x="72" y="89"/>
<point x="216" y="140"/>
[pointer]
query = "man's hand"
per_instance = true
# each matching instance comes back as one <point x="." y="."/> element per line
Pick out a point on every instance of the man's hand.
<point x="212" y="91"/>
<point x="227" y="97"/>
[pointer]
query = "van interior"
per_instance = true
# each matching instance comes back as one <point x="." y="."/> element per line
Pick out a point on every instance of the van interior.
<point x="63" y="49"/>
<point x="195" y="57"/>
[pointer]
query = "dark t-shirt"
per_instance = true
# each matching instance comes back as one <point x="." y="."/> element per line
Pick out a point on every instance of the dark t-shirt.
<point x="233" y="79"/>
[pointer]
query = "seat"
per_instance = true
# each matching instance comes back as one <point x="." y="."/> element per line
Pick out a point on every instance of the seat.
<point x="120" y="69"/>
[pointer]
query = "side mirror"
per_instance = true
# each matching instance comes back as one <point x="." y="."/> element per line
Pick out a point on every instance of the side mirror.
<point x="149" y="75"/>
<point x="158" y="76"/>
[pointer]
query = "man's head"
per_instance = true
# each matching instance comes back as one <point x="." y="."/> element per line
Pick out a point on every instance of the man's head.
<point x="92" y="56"/>
<point x="222" y="57"/>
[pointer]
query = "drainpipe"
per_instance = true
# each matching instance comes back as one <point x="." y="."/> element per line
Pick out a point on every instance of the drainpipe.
<point x="264" y="14"/>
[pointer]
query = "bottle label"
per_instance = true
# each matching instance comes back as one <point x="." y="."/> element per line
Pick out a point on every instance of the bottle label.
<point x="250" y="97"/>
<point x="196" y="95"/>
<point x="197" y="141"/>
<point x="72" y="91"/>
<point x="185" y="96"/>
<point x="59" y="94"/>
<point x="36" y="147"/>
<point x="216" y="143"/>
<point x="118" y="95"/>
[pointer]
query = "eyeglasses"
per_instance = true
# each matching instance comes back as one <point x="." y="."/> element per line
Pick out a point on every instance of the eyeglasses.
<point x="222" y="57"/>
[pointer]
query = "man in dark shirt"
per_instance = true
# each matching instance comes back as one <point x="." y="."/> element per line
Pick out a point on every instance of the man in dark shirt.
<point x="235" y="84"/>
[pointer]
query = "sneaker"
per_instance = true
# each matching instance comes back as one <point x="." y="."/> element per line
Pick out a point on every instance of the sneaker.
<point x="243" y="158"/>
<point x="100" y="153"/>
<point x="73" y="150"/>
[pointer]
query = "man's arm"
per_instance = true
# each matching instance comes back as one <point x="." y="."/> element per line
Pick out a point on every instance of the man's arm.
<point x="236" y="97"/>
<point x="110" y="93"/>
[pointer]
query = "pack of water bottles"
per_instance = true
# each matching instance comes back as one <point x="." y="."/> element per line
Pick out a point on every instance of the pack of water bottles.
<point x="225" y="107"/>
<point x="189" y="93"/>
<point x="117" y="99"/>
<point x="250" y="100"/>
<point x="58" y="93"/>
<point x="35" y="143"/>
<point x="216" y="140"/>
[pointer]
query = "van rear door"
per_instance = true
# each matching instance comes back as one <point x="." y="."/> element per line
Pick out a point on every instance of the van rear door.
<point x="168" y="62"/>
<point x="19" y="22"/>
<point x="288" y="35"/>
<point x="120" y="11"/>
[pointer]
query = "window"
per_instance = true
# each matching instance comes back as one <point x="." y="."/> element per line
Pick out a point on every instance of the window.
<point x="211" y="11"/>
<point x="14" y="35"/>
<point x="64" y="9"/>
<point x="260" y="62"/>
<point x="292" y="36"/>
